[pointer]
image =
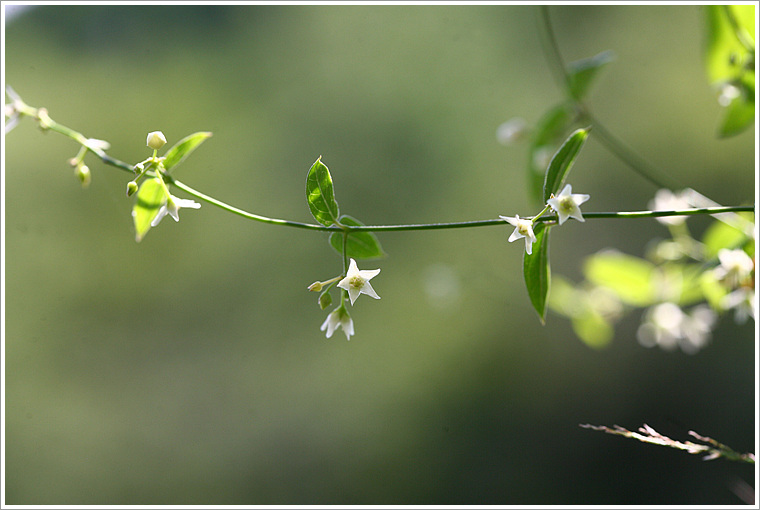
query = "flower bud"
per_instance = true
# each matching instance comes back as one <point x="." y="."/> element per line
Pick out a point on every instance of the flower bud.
<point x="131" y="188"/>
<point x="83" y="172"/>
<point x="156" y="140"/>
<point x="315" y="287"/>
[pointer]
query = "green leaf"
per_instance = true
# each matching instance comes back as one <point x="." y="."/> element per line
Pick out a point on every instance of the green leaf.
<point x="563" y="161"/>
<point x="319" y="194"/>
<point x="738" y="115"/>
<point x="631" y="278"/>
<point x="730" y="62"/>
<point x="720" y="235"/>
<point x="325" y="299"/>
<point x="547" y="134"/>
<point x="593" y="329"/>
<point x="183" y="148"/>
<point x="359" y="245"/>
<point x="537" y="272"/>
<point x="726" y="55"/>
<point x="150" y="198"/>
<point x="582" y="72"/>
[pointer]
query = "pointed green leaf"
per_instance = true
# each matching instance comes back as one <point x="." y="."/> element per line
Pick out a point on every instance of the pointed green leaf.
<point x="150" y="198"/>
<point x="537" y="272"/>
<point x="633" y="279"/>
<point x="359" y="245"/>
<point x="183" y="148"/>
<point x="582" y="72"/>
<point x="548" y="132"/>
<point x="563" y="161"/>
<point x="319" y="194"/>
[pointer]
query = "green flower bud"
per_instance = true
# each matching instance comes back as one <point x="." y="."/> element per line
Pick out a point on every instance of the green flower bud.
<point x="83" y="172"/>
<point x="156" y="140"/>
<point x="131" y="188"/>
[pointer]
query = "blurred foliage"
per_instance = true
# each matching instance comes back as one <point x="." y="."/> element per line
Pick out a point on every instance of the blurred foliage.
<point x="190" y="369"/>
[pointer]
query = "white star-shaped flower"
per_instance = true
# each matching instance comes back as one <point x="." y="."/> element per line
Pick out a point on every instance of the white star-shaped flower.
<point x="338" y="318"/>
<point x="172" y="207"/>
<point x="566" y="205"/>
<point x="523" y="228"/>
<point x="357" y="282"/>
<point x="666" y="200"/>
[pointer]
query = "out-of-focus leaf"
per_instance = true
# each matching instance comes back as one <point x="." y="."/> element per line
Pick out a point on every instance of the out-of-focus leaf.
<point x="563" y="161"/>
<point x="325" y="299"/>
<point x="359" y="245"/>
<point x="319" y="194"/>
<point x="581" y="73"/>
<point x="720" y="235"/>
<point x="593" y="329"/>
<point x="184" y="148"/>
<point x="730" y="61"/>
<point x="631" y="278"/>
<point x="537" y="272"/>
<point x="150" y="197"/>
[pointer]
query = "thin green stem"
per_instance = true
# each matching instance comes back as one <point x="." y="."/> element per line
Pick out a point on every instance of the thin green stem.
<point x="47" y="123"/>
<point x="600" y="132"/>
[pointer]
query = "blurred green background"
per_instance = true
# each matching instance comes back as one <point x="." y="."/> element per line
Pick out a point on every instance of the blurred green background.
<point x="190" y="369"/>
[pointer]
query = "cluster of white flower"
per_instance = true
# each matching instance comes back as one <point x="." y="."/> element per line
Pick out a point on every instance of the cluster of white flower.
<point x="566" y="205"/>
<point x="355" y="283"/>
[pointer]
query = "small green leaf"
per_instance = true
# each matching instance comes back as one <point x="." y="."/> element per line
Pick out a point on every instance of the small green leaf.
<point x="582" y="72"/>
<point x="631" y="278"/>
<point x="549" y="130"/>
<point x="537" y="272"/>
<point x="319" y="194"/>
<point x="738" y="115"/>
<point x="183" y="148"/>
<point x="150" y="198"/>
<point x="359" y="245"/>
<point x="563" y="161"/>
<point x="325" y="299"/>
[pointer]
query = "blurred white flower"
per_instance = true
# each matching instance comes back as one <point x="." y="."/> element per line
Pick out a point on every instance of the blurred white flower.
<point x="735" y="266"/>
<point x="742" y="301"/>
<point x="172" y="207"/>
<point x="357" y="282"/>
<point x="523" y="228"/>
<point x="511" y="131"/>
<point x="566" y="205"/>
<point x="669" y="327"/>
<point x="666" y="200"/>
<point x="338" y="318"/>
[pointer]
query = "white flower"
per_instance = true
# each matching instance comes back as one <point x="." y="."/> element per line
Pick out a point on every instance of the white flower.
<point x="669" y="327"/>
<point x="735" y="266"/>
<point x="511" y="131"/>
<point x="566" y="205"/>
<point x="338" y="318"/>
<point x="156" y="140"/>
<point x="742" y="301"/>
<point x="172" y="207"/>
<point x="665" y="200"/>
<point x="357" y="282"/>
<point x="523" y="228"/>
